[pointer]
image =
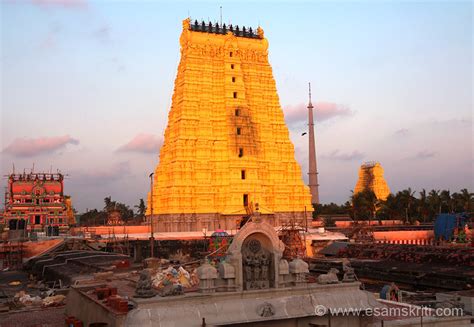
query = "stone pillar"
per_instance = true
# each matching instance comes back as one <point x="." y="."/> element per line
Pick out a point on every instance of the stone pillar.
<point x="284" y="273"/>
<point x="298" y="270"/>
<point x="227" y="277"/>
<point x="207" y="275"/>
<point x="138" y="252"/>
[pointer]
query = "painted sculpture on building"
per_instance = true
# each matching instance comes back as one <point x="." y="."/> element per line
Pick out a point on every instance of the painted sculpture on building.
<point x="371" y="178"/>
<point x="226" y="145"/>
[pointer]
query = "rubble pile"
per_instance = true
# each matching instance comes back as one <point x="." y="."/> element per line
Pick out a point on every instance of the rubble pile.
<point x="24" y="299"/>
<point x="173" y="276"/>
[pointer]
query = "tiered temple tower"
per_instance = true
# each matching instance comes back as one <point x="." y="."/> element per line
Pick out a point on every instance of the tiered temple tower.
<point x="371" y="178"/>
<point x="226" y="149"/>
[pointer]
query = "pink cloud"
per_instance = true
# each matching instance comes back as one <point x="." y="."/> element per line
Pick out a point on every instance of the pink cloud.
<point x="70" y="4"/>
<point x="425" y="154"/>
<point x="402" y="132"/>
<point x="337" y="155"/>
<point x="295" y="114"/>
<point x="143" y="143"/>
<point x="102" y="176"/>
<point x="49" y="42"/>
<point x="23" y="147"/>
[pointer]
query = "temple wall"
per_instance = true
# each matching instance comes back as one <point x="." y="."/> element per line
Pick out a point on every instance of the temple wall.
<point x="212" y="221"/>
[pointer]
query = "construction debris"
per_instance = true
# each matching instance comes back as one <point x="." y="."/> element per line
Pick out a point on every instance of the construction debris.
<point x="172" y="276"/>
<point x="27" y="300"/>
<point x="54" y="300"/>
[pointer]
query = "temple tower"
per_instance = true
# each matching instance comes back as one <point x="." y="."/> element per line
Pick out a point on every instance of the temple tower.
<point x="313" y="170"/>
<point x="226" y="149"/>
<point x="371" y="178"/>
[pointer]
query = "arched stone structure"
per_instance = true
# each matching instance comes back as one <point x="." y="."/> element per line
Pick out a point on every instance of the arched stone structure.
<point x="255" y="253"/>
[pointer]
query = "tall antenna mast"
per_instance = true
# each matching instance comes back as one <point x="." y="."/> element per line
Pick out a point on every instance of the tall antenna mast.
<point x="221" y="14"/>
<point x="313" y="169"/>
<point x="309" y="87"/>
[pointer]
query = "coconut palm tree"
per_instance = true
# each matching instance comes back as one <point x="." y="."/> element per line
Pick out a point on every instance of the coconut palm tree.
<point x="446" y="201"/>
<point x="407" y="198"/>
<point x="463" y="201"/>
<point x="390" y="207"/>
<point x="423" y="207"/>
<point x="434" y="202"/>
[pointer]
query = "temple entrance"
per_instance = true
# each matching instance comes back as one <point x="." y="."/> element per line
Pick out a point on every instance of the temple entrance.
<point x="37" y="219"/>
<point x="257" y="265"/>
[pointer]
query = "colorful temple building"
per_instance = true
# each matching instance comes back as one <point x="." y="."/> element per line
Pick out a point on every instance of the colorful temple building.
<point x="37" y="200"/>
<point x="226" y="148"/>
<point x="371" y="178"/>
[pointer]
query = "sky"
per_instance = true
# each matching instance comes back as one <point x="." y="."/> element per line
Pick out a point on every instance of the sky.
<point x="86" y="87"/>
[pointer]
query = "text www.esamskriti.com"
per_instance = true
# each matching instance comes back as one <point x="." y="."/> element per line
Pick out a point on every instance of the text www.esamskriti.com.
<point x="405" y="311"/>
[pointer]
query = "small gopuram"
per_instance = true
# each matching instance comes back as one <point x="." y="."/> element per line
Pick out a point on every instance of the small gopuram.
<point x="371" y="178"/>
<point x="226" y="147"/>
<point x="255" y="286"/>
<point x="36" y="201"/>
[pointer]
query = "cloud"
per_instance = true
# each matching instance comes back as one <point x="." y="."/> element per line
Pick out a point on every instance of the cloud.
<point x="337" y="155"/>
<point x="50" y="40"/>
<point x="68" y="4"/>
<point x="402" y="132"/>
<point x="142" y="143"/>
<point x="23" y="147"/>
<point x="102" y="34"/>
<point x="424" y="155"/>
<point x="454" y="122"/>
<point x="295" y="114"/>
<point x="102" y="176"/>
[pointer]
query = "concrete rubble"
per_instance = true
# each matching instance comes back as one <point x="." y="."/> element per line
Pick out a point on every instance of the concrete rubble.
<point x="174" y="276"/>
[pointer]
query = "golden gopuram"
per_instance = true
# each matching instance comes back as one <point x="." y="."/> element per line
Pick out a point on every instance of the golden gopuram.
<point x="226" y="153"/>
<point x="371" y="178"/>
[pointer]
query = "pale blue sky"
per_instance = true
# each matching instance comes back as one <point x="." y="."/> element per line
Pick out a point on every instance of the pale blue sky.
<point x="102" y="72"/>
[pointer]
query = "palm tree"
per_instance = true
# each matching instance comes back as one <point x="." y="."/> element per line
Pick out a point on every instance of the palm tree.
<point x="423" y="207"/>
<point x="407" y="198"/>
<point x="446" y="201"/>
<point x="464" y="200"/>
<point x="141" y="209"/>
<point x="434" y="202"/>
<point x="390" y="207"/>
<point x="364" y="205"/>
<point x="371" y="203"/>
<point x="357" y="202"/>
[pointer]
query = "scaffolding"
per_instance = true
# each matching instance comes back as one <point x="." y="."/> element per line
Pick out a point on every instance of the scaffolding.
<point x="118" y="244"/>
<point x="293" y="236"/>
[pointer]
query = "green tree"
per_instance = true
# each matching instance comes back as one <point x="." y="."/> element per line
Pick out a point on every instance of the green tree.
<point x="141" y="210"/>
<point x="434" y="203"/>
<point x="406" y="197"/>
<point x="463" y="201"/>
<point x="446" y="201"/>
<point x="364" y="205"/>
<point x="390" y="208"/>
<point x="423" y="206"/>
